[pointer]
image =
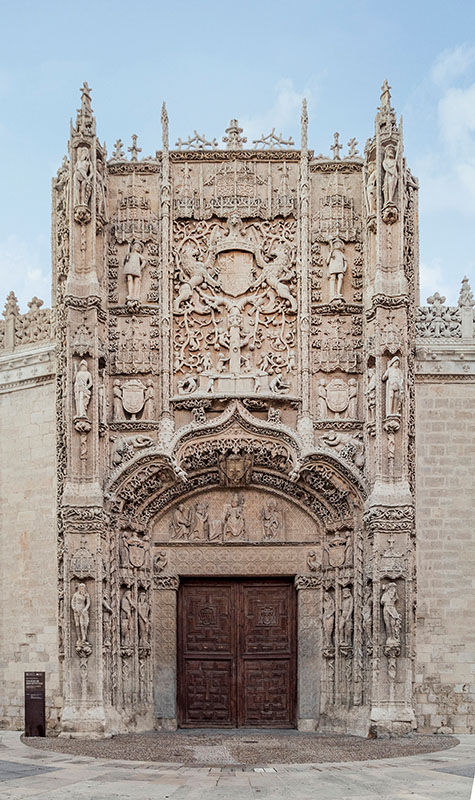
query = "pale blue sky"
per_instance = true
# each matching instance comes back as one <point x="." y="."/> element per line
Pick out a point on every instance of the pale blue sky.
<point x="212" y="61"/>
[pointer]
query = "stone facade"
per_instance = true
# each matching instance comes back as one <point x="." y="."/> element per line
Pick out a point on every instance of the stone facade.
<point x="242" y="374"/>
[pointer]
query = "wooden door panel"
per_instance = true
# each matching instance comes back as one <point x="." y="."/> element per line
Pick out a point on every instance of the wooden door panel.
<point x="236" y="653"/>
<point x="266" y="700"/>
<point x="267" y="623"/>
<point x="208" y="686"/>
<point x="209" y="623"/>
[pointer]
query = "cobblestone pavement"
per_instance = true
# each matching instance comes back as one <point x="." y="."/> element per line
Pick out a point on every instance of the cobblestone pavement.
<point x="26" y="772"/>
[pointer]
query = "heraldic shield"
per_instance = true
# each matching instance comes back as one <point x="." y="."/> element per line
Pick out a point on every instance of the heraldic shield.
<point x="133" y="396"/>
<point x="236" y="271"/>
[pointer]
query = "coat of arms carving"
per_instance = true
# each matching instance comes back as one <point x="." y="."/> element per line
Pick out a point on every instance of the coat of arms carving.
<point x="133" y="396"/>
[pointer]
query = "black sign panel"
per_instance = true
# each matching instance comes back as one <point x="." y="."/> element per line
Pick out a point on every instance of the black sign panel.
<point x="35" y="717"/>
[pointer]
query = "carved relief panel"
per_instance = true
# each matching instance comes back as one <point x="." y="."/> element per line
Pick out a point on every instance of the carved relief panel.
<point x="234" y="308"/>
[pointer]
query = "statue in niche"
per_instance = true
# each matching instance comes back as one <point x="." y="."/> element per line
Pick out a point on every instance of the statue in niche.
<point x="201" y="527"/>
<point x="390" y="174"/>
<point x="82" y="178"/>
<point x="134" y="262"/>
<point x="371" y="394"/>
<point x="82" y="388"/>
<point x="193" y="273"/>
<point x="337" y="266"/>
<point x="143" y="617"/>
<point x="180" y="527"/>
<point x="272" y="521"/>
<point x="80" y="604"/>
<point x="391" y="616"/>
<point x="394" y="380"/>
<point x="100" y="190"/>
<point x="352" y="410"/>
<point x="117" y="407"/>
<point x="328" y="619"/>
<point x="368" y="615"/>
<point x="149" y="401"/>
<point x="124" y="549"/>
<point x="371" y="189"/>
<point x="234" y="524"/>
<point x="322" y="398"/>
<point x="345" y="623"/>
<point x="275" y="272"/>
<point x="127" y="608"/>
<point x="278" y="385"/>
<point x="188" y="385"/>
<point x="312" y="561"/>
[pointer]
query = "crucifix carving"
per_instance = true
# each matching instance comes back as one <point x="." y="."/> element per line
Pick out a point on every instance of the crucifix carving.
<point x="134" y="150"/>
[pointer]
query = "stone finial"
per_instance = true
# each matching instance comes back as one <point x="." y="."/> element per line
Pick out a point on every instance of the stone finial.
<point x="304" y="125"/>
<point x="466" y="299"/>
<point x="118" y="152"/>
<point x="436" y="299"/>
<point x="336" y="146"/>
<point x="234" y="140"/>
<point x="12" y="308"/>
<point x="134" y="150"/>
<point x="35" y="304"/>
<point x="85" y="119"/>
<point x="164" y="118"/>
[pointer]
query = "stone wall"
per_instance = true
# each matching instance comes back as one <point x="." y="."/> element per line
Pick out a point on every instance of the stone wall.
<point x="445" y="646"/>
<point x="28" y="560"/>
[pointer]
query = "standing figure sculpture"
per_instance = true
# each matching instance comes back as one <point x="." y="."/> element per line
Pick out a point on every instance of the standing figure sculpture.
<point x="391" y="616"/>
<point x="345" y="623"/>
<point x="368" y="616"/>
<point x="394" y="380"/>
<point x="390" y="174"/>
<point x="80" y="603"/>
<point x="82" y="389"/>
<point x="371" y="189"/>
<point x="337" y="265"/>
<point x="127" y="607"/>
<point x="143" y="616"/>
<point x="134" y="263"/>
<point x="328" y="619"/>
<point x="370" y="393"/>
<point x="82" y="177"/>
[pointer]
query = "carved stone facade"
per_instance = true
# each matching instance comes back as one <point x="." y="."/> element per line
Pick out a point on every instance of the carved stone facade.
<point x="232" y="340"/>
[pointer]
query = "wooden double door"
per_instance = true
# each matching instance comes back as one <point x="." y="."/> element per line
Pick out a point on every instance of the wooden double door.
<point x="237" y="653"/>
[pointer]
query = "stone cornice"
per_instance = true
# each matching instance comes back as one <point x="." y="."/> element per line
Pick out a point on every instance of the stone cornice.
<point x="27" y="366"/>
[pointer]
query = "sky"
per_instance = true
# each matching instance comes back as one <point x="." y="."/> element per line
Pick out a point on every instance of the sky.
<point x="211" y="61"/>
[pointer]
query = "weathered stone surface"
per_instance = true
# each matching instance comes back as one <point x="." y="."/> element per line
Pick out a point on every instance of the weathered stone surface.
<point x="232" y="339"/>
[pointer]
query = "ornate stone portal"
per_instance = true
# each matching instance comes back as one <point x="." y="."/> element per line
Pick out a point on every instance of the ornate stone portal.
<point x="235" y="397"/>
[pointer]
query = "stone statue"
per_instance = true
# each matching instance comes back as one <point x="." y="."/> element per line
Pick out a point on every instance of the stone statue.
<point x="143" y="617"/>
<point x="394" y="380"/>
<point x="100" y="190"/>
<point x="117" y="408"/>
<point x="370" y="393"/>
<point x="272" y="521"/>
<point x="352" y="410"/>
<point x="127" y="607"/>
<point x="368" y="616"/>
<point x="312" y="561"/>
<point x="181" y="522"/>
<point x="278" y="385"/>
<point x="82" y="389"/>
<point x="201" y="528"/>
<point x="328" y="619"/>
<point x="134" y="263"/>
<point x="371" y="189"/>
<point x="188" y="385"/>
<point x="80" y="604"/>
<point x="322" y="398"/>
<point x="124" y="549"/>
<point x="391" y="616"/>
<point x="390" y="174"/>
<point x="234" y="523"/>
<point x="82" y="177"/>
<point x="149" y="401"/>
<point x="337" y="265"/>
<point x="345" y="623"/>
